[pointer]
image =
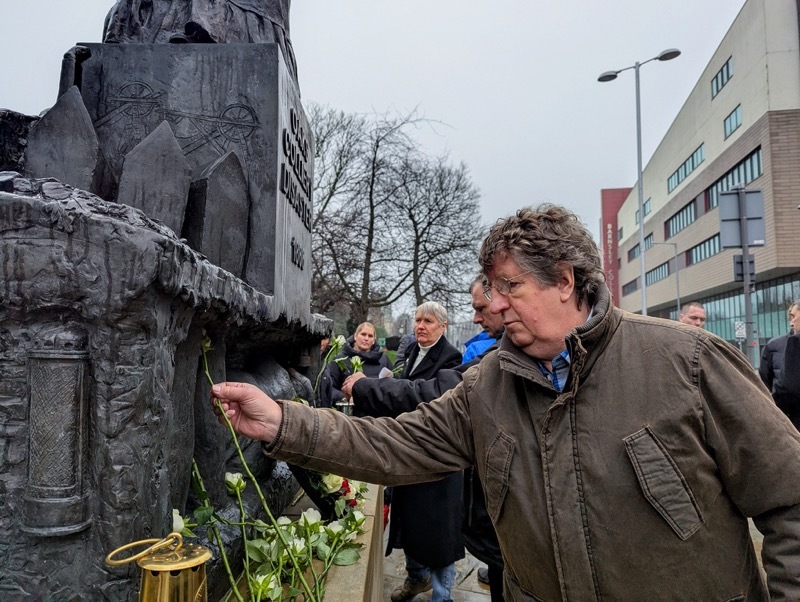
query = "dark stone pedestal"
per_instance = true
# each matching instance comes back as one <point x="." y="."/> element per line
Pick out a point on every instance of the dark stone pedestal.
<point x="103" y="403"/>
<point x="216" y="98"/>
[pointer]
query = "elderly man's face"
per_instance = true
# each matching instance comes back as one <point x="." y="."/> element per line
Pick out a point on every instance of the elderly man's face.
<point x="491" y="323"/>
<point x="794" y="319"/>
<point x="534" y="317"/>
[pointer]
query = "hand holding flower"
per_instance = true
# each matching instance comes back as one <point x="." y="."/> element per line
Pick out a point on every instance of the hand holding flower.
<point x="347" y="386"/>
<point x="251" y="412"/>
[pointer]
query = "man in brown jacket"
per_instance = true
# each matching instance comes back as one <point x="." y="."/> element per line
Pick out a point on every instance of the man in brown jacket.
<point x="620" y="455"/>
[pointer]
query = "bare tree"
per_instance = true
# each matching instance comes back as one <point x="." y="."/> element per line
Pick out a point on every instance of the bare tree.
<point x="338" y="138"/>
<point x="388" y="220"/>
<point x="441" y="225"/>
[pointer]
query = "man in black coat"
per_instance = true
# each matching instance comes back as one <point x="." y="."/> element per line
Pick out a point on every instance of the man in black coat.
<point x="777" y="368"/>
<point x="426" y="517"/>
<point x="393" y="396"/>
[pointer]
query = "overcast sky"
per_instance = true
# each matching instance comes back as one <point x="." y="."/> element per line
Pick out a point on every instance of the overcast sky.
<point x="513" y="83"/>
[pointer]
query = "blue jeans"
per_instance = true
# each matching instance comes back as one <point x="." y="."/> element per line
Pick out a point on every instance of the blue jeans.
<point x="441" y="579"/>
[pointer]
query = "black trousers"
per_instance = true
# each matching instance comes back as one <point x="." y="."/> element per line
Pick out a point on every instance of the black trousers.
<point x="496" y="582"/>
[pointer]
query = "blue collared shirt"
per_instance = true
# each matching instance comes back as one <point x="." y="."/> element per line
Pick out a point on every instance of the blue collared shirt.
<point x="558" y="375"/>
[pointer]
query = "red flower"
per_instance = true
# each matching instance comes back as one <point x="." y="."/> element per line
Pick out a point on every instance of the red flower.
<point x="352" y="503"/>
<point x="345" y="487"/>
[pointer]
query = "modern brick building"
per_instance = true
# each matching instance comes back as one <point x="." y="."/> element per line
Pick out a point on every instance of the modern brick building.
<point x="739" y="126"/>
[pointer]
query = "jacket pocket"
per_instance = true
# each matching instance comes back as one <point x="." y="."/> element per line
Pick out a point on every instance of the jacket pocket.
<point x="662" y="483"/>
<point x="498" y="465"/>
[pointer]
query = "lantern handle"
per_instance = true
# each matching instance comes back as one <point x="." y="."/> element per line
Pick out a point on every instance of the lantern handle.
<point x="158" y="544"/>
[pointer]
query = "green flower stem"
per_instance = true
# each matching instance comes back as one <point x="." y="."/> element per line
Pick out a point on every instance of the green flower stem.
<point x="310" y="549"/>
<point x="337" y="541"/>
<point x="250" y="583"/>
<point x="325" y="361"/>
<point x="215" y="532"/>
<point x="261" y="497"/>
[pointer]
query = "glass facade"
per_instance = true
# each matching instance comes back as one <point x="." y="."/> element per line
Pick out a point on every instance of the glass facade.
<point x="630" y="287"/>
<point x="682" y="219"/>
<point x="722" y="77"/>
<point x="688" y="166"/>
<point x="770" y="303"/>
<point x="656" y="274"/>
<point x="744" y="172"/>
<point x="732" y="121"/>
<point x="707" y="248"/>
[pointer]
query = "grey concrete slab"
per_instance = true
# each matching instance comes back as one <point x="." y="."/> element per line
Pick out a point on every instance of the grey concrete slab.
<point x="467" y="587"/>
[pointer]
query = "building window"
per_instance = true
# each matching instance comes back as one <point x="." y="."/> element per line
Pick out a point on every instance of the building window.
<point x="680" y="220"/>
<point x="636" y="217"/>
<point x="619" y="234"/>
<point x="704" y="250"/>
<point x="733" y="121"/>
<point x="647" y="206"/>
<point x="648" y="241"/>
<point x="629" y="288"/>
<point x="633" y="253"/>
<point x="722" y="77"/>
<point x="744" y="172"/>
<point x="658" y="273"/>
<point x="686" y="168"/>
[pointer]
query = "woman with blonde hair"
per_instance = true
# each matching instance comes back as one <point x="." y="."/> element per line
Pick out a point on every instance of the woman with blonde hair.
<point x="361" y="345"/>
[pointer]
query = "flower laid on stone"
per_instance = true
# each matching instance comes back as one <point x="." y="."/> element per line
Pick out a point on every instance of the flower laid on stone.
<point x="346" y="494"/>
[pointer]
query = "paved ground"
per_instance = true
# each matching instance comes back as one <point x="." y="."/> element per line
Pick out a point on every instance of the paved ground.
<point x="467" y="587"/>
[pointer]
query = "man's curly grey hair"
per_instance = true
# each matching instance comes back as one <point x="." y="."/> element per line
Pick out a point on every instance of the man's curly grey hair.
<point x="544" y="241"/>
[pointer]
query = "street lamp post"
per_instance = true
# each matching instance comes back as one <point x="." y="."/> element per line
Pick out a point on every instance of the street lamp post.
<point x="665" y="55"/>
<point x="674" y="246"/>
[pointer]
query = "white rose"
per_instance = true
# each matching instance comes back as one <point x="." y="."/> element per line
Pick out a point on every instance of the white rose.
<point x="177" y="521"/>
<point x="311" y="517"/>
<point x="234" y="482"/>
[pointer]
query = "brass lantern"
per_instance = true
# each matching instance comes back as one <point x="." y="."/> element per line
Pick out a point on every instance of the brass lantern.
<point x="171" y="570"/>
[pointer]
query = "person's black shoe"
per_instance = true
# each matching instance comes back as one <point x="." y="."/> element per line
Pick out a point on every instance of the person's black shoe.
<point x="483" y="575"/>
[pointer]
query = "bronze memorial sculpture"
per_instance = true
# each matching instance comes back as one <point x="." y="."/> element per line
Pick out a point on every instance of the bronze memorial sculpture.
<point x="148" y="207"/>
<point x="231" y="21"/>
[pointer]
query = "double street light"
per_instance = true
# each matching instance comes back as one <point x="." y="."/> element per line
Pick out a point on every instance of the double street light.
<point x="666" y="55"/>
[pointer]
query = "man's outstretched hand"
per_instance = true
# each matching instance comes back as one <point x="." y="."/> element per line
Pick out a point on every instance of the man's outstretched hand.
<point x="252" y="412"/>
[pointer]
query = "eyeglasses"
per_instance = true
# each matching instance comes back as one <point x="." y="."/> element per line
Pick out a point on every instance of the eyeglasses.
<point x="502" y="285"/>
